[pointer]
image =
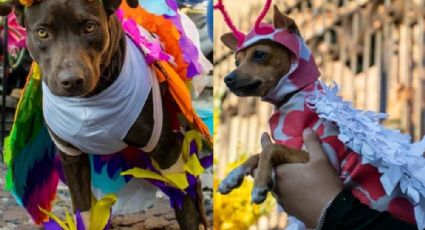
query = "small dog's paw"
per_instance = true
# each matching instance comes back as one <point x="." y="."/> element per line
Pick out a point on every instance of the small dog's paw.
<point x="259" y="195"/>
<point x="232" y="181"/>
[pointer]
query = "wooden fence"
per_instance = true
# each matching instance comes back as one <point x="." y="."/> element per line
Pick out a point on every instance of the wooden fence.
<point x="373" y="49"/>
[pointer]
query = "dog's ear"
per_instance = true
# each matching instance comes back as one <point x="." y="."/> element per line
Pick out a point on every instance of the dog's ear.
<point x="111" y="6"/>
<point x="285" y="22"/>
<point x="230" y="41"/>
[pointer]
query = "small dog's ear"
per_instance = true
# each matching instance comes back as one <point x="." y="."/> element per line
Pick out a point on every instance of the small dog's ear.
<point x="111" y="6"/>
<point x="230" y="41"/>
<point x="285" y="22"/>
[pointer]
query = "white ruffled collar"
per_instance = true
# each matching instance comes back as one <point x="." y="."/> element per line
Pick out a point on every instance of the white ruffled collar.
<point x="400" y="162"/>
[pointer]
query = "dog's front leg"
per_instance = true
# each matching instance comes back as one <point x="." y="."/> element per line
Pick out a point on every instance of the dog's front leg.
<point x="78" y="179"/>
<point x="236" y="177"/>
<point x="191" y="215"/>
<point x="272" y="156"/>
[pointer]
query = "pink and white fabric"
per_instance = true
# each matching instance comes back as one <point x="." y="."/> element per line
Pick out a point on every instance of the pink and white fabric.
<point x="391" y="179"/>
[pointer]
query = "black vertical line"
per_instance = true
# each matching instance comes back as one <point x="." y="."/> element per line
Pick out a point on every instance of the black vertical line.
<point x="5" y="76"/>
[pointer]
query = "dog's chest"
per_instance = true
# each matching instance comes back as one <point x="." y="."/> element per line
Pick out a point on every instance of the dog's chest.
<point x="99" y="124"/>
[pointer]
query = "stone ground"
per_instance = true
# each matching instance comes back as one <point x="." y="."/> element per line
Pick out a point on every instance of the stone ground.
<point x="160" y="216"/>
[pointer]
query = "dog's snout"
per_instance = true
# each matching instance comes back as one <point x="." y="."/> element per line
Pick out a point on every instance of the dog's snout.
<point x="71" y="82"/>
<point x="230" y="79"/>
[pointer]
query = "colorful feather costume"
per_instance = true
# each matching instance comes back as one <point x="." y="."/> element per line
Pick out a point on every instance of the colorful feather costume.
<point x="380" y="166"/>
<point x="33" y="165"/>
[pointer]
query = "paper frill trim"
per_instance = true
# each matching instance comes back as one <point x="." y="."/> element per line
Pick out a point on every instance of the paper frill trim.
<point x="400" y="162"/>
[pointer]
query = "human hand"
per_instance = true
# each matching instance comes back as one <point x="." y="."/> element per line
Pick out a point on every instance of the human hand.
<point x="303" y="190"/>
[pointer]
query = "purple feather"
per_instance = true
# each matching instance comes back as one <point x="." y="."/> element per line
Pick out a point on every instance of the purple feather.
<point x="52" y="225"/>
<point x="80" y="223"/>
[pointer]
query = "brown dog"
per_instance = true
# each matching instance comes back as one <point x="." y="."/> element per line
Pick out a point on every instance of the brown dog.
<point x="288" y="78"/>
<point x="260" y="67"/>
<point x="80" y="48"/>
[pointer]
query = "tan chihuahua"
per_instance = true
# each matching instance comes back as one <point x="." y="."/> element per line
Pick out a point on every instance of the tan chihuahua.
<point x="260" y="67"/>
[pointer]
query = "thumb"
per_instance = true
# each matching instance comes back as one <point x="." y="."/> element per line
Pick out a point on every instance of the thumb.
<point x="314" y="146"/>
<point x="265" y="140"/>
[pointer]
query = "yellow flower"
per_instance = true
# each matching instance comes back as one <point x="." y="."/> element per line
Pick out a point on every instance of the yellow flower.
<point x="234" y="210"/>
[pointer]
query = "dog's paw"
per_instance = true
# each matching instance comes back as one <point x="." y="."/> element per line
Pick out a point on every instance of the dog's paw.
<point x="259" y="195"/>
<point x="260" y="190"/>
<point x="232" y="181"/>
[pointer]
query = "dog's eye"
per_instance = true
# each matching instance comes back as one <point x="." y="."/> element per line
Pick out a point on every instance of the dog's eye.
<point x="90" y="28"/>
<point x="42" y="33"/>
<point x="259" y="56"/>
<point x="237" y="63"/>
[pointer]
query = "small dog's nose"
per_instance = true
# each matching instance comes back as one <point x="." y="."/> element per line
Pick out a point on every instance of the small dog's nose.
<point x="230" y="79"/>
<point x="69" y="82"/>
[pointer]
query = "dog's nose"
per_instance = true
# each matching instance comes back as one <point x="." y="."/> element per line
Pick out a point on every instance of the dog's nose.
<point x="70" y="82"/>
<point x="230" y="79"/>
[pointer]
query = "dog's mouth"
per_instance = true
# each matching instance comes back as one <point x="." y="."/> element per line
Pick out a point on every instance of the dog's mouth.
<point x="68" y="93"/>
<point x="246" y="89"/>
<point x="59" y="91"/>
<point x="74" y="94"/>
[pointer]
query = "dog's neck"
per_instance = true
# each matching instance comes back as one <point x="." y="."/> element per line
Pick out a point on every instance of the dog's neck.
<point x="286" y="99"/>
<point x="114" y="58"/>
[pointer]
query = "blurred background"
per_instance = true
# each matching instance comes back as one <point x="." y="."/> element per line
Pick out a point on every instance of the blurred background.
<point x="374" y="50"/>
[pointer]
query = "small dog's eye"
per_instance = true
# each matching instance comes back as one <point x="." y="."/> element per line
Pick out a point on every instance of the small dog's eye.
<point x="237" y="63"/>
<point x="90" y="27"/>
<point x="259" y="56"/>
<point x="42" y="33"/>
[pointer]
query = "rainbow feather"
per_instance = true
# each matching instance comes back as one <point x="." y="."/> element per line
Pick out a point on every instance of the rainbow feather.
<point x="30" y="153"/>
